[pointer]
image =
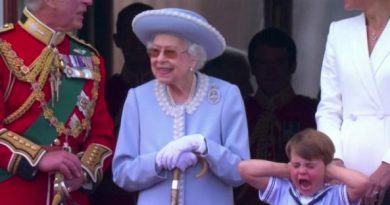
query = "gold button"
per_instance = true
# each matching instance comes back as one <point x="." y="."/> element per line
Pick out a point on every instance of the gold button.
<point x="57" y="142"/>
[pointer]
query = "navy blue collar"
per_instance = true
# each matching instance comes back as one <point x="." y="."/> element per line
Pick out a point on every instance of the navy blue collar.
<point x="316" y="197"/>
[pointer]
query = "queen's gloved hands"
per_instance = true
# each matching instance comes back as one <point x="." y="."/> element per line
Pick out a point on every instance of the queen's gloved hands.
<point x="167" y="157"/>
<point x="185" y="160"/>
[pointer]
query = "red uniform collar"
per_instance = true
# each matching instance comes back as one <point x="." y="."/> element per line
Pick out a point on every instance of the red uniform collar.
<point x="39" y="30"/>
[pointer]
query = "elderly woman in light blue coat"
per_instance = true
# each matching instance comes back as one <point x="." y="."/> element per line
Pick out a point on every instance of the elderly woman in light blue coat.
<point x="181" y="118"/>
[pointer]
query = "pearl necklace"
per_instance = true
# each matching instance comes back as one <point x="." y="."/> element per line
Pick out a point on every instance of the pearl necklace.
<point x="190" y="96"/>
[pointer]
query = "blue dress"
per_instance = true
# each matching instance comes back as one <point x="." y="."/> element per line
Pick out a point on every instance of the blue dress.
<point x="150" y="121"/>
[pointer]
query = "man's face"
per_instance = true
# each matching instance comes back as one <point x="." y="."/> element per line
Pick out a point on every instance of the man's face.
<point x="271" y="68"/>
<point x="133" y="50"/>
<point x="70" y="14"/>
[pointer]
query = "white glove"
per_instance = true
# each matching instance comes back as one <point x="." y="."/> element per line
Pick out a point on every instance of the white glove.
<point x="186" y="159"/>
<point x="167" y="157"/>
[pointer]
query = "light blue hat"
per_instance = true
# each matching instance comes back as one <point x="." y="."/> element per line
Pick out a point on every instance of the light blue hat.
<point x="183" y="23"/>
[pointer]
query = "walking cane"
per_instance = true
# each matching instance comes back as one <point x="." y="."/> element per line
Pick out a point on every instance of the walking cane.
<point x="176" y="180"/>
<point x="175" y="187"/>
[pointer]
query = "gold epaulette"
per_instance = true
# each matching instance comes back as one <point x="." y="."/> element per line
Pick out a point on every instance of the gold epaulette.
<point x="92" y="161"/>
<point x="7" y="27"/>
<point x="82" y="42"/>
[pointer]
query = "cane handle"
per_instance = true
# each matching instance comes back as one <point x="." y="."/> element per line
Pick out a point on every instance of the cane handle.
<point x="205" y="167"/>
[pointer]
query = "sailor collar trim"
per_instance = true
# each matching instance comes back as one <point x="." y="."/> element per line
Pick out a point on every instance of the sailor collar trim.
<point x="39" y="30"/>
<point x="294" y="193"/>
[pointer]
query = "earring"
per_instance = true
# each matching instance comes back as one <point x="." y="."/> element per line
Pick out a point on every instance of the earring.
<point x="192" y="69"/>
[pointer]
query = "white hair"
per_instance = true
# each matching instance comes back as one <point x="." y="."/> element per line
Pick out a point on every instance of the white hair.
<point x="197" y="51"/>
<point x="33" y="5"/>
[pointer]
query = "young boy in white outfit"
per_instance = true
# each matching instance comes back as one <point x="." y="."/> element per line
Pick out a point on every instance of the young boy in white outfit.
<point x="303" y="181"/>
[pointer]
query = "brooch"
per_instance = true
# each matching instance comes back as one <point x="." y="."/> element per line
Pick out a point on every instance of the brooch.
<point x="213" y="95"/>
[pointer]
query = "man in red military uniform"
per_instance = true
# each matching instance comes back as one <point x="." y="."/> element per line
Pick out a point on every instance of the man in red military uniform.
<point x="55" y="133"/>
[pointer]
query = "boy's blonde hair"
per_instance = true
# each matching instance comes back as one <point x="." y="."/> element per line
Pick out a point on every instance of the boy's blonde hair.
<point x="311" y="144"/>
